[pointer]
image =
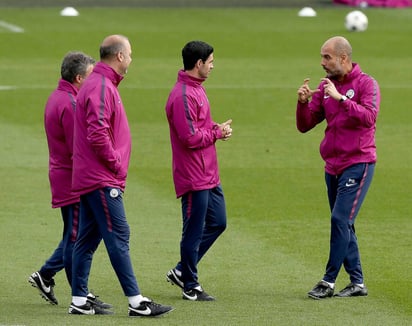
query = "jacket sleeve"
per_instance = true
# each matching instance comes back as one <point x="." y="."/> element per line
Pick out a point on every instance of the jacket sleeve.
<point x="367" y="108"/>
<point x="99" y="132"/>
<point x="309" y="114"/>
<point x="192" y="131"/>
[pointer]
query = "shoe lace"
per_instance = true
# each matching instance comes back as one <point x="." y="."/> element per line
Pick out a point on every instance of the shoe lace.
<point x="152" y="304"/>
<point x="50" y="282"/>
<point x="350" y="286"/>
<point x="95" y="298"/>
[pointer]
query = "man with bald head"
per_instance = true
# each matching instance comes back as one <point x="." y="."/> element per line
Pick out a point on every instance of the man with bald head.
<point x="101" y="153"/>
<point x="349" y="100"/>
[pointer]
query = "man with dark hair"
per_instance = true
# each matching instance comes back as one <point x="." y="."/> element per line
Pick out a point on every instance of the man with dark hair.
<point x="102" y="148"/>
<point x="58" y="124"/>
<point x="193" y="134"/>
<point x="193" y="51"/>
<point x="349" y="100"/>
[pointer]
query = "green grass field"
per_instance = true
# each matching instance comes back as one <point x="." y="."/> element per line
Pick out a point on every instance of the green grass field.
<point x="276" y="244"/>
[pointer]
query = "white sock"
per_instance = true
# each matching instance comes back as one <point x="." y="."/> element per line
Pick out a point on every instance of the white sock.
<point x="178" y="273"/>
<point x="361" y="285"/>
<point x="332" y="285"/>
<point x="135" y="300"/>
<point x="79" y="301"/>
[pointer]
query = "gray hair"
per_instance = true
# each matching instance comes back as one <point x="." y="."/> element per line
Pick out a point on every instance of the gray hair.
<point x="75" y="63"/>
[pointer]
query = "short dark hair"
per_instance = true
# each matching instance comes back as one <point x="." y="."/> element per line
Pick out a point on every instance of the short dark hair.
<point x="75" y="63"/>
<point x="193" y="51"/>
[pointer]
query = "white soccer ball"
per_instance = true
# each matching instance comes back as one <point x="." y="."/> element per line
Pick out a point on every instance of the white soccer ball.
<point x="356" y="21"/>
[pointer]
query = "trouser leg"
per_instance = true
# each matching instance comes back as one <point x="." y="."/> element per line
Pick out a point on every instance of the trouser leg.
<point x="204" y="219"/>
<point x="106" y="206"/>
<point x="86" y="244"/>
<point x="346" y="194"/>
<point x="61" y="257"/>
<point x="215" y="222"/>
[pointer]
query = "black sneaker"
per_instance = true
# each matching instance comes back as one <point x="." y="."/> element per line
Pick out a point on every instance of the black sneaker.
<point x="321" y="290"/>
<point x="174" y="279"/>
<point x="88" y="309"/>
<point x="148" y="308"/>
<point x="352" y="290"/>
<point x="45" y="287"/>
<point x="197" y="294"/>
<point x="95" y="301"/>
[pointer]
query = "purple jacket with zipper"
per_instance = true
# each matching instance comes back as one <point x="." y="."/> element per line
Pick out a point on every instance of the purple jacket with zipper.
<point x="102" y="140"/>
<point x="58" y="124"/>
<point x="193" y="135"/>
<point x="350" y="125"/>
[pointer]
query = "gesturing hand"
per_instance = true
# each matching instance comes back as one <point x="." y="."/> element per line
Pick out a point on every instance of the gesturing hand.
<point x="226" y="129"/>
<point x="330" y="89"/>
<point x="304" y="92"/>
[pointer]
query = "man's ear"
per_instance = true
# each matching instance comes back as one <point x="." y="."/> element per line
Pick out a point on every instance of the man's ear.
<point x="120" y="56"/>
<point x="78" y="79"/>
<point x="199" y="63"/>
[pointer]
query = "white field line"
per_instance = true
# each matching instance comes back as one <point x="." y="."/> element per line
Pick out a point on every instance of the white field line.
<point x="11" y="27"/>
<point x="6" y="88"/>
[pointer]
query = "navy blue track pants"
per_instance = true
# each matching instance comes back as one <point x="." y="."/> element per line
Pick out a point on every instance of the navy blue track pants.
<point x="102" y="215"/>
<point x="346" y="193"/>
<point x="62" y="255"/>
<point x="204" y="220"/>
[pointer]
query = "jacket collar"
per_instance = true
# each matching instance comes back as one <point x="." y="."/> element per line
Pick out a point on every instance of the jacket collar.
<point x="185" y="78"/>
<point x="66" y="86"/>
<point x="353" y="73"/>
<point x="107" y="71"/>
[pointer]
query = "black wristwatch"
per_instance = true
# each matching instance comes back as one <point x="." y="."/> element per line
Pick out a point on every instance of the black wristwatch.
<point x="343" y="98"/>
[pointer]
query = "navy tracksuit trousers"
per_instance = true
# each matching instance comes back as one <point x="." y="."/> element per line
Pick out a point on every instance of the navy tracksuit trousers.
<point x="62" y="256"/>
<point x="204" y="220"/>
<point x="346" y="193"/>
<point x="102" y="215"/>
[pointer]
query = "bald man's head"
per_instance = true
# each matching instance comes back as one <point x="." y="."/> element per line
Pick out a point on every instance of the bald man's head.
<point x="336" y="54"/>
<point x="112" y="45"/>
<point x="116" y="52"/>
<point x="339" y="45"/>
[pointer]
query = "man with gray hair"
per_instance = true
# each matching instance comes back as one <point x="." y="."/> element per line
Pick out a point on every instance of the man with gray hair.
<point x="58" y="124"/>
